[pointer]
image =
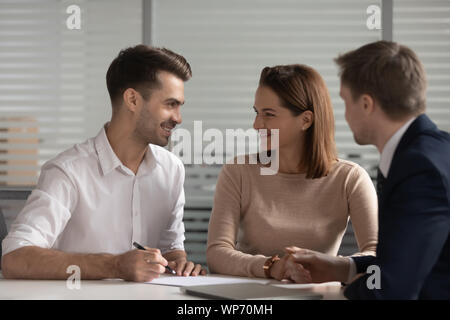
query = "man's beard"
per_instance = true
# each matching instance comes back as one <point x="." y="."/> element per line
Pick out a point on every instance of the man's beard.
<point x="147" y="131"/>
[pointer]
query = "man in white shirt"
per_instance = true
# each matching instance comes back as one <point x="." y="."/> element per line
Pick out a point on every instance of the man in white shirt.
<point x="97" y="198"/>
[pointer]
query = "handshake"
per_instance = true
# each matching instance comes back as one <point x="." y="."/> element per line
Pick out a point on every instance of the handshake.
<point x="308" y="266"/>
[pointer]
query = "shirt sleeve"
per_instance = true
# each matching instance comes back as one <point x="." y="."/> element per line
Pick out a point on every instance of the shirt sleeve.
<point x="173" y="237"/>
<point x="363" y="211"/>
<point x="221" y="254"/>
<point x="46" y="211"/>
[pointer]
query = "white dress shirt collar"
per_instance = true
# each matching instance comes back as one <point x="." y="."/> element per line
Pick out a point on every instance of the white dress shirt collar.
<point x="109" y="160"/>
<point x="388" y="151"/>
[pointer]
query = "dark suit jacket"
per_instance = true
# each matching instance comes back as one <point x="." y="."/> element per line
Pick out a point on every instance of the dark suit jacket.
<point x="413" y="251"/>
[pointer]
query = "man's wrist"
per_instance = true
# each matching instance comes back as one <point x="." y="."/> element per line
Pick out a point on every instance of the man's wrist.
<point x="352" y="272"/>
<point x="343" y="269"/>
<point x="113" y="264"/>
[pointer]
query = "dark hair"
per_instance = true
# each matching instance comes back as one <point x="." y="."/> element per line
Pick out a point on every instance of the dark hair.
<point x="389" y="72"/>
<point x="301" y="88"/>
<point x="137" y="67"/>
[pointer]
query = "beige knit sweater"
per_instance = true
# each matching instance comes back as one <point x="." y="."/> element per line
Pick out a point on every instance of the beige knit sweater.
<point x="256" y="216"/>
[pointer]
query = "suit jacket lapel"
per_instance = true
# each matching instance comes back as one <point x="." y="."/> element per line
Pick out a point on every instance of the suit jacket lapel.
<point x="419" y="125"/>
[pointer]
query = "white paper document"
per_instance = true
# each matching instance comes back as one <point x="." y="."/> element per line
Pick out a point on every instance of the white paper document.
<point x="179" y="281"/>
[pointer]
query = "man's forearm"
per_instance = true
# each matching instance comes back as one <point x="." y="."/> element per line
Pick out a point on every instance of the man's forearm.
<point x="39" y="263"/>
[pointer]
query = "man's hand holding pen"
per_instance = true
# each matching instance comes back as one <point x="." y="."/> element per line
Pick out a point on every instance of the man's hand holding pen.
<point x="140" y="265"/>
<point x="145" y="264"/>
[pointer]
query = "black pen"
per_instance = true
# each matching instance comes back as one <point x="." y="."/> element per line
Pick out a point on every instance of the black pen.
<point x="138" y="246"/>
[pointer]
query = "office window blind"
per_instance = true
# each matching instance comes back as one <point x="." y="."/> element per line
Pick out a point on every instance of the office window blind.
<point x="424" y="26"/>
<point x="229" y="42"/>
<point x="52" y="79"/>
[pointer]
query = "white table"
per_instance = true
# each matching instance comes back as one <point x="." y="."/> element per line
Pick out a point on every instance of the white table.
<point x="116" y="289"/>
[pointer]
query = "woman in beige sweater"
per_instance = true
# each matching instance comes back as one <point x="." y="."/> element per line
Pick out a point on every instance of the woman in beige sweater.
<point x="307" y="203"/>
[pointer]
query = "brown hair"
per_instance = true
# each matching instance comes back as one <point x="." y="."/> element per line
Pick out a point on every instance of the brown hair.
<point x="389" y="72"/>
<point x="301" y="88"/>
<point x="137" y="68"/>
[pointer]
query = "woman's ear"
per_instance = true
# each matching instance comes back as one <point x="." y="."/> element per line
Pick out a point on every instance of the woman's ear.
<point x="308" y="119"/>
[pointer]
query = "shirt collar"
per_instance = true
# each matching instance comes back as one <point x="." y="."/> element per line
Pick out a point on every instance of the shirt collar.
<point x="109" y="160"/>
<point x="390" y="146"/>
<point x="149" y="162"/>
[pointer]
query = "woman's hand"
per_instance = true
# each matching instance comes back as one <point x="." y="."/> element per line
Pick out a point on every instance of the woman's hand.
<point x="287" y="270"/>
<point x="322" y="267"/>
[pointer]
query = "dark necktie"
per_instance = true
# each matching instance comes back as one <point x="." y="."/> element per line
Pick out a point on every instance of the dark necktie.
<point x="380" y="182"/>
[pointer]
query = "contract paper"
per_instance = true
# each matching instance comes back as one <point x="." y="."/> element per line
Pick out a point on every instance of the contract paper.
<point x="209" y="279"/>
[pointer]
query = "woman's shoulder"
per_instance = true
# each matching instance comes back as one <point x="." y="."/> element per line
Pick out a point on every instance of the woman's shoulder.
<point x="348" y="169"/>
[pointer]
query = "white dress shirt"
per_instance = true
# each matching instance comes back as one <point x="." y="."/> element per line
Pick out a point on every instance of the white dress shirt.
<point x="87" y="201"/>
<point x="385" y="164"/>
<point x="389" y="148"/>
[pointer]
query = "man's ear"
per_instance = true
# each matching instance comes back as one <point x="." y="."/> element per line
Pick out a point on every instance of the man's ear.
<point x="368" y="103"/>
<point x="131" y="99"/>
<point x="308" y="119"/>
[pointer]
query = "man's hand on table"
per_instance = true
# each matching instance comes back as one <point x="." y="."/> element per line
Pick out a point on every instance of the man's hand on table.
<point x="178" y="262"/>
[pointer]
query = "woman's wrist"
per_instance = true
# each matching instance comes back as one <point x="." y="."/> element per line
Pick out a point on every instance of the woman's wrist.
<point x="269" y="264"/>
<point x="278" y="270"/>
